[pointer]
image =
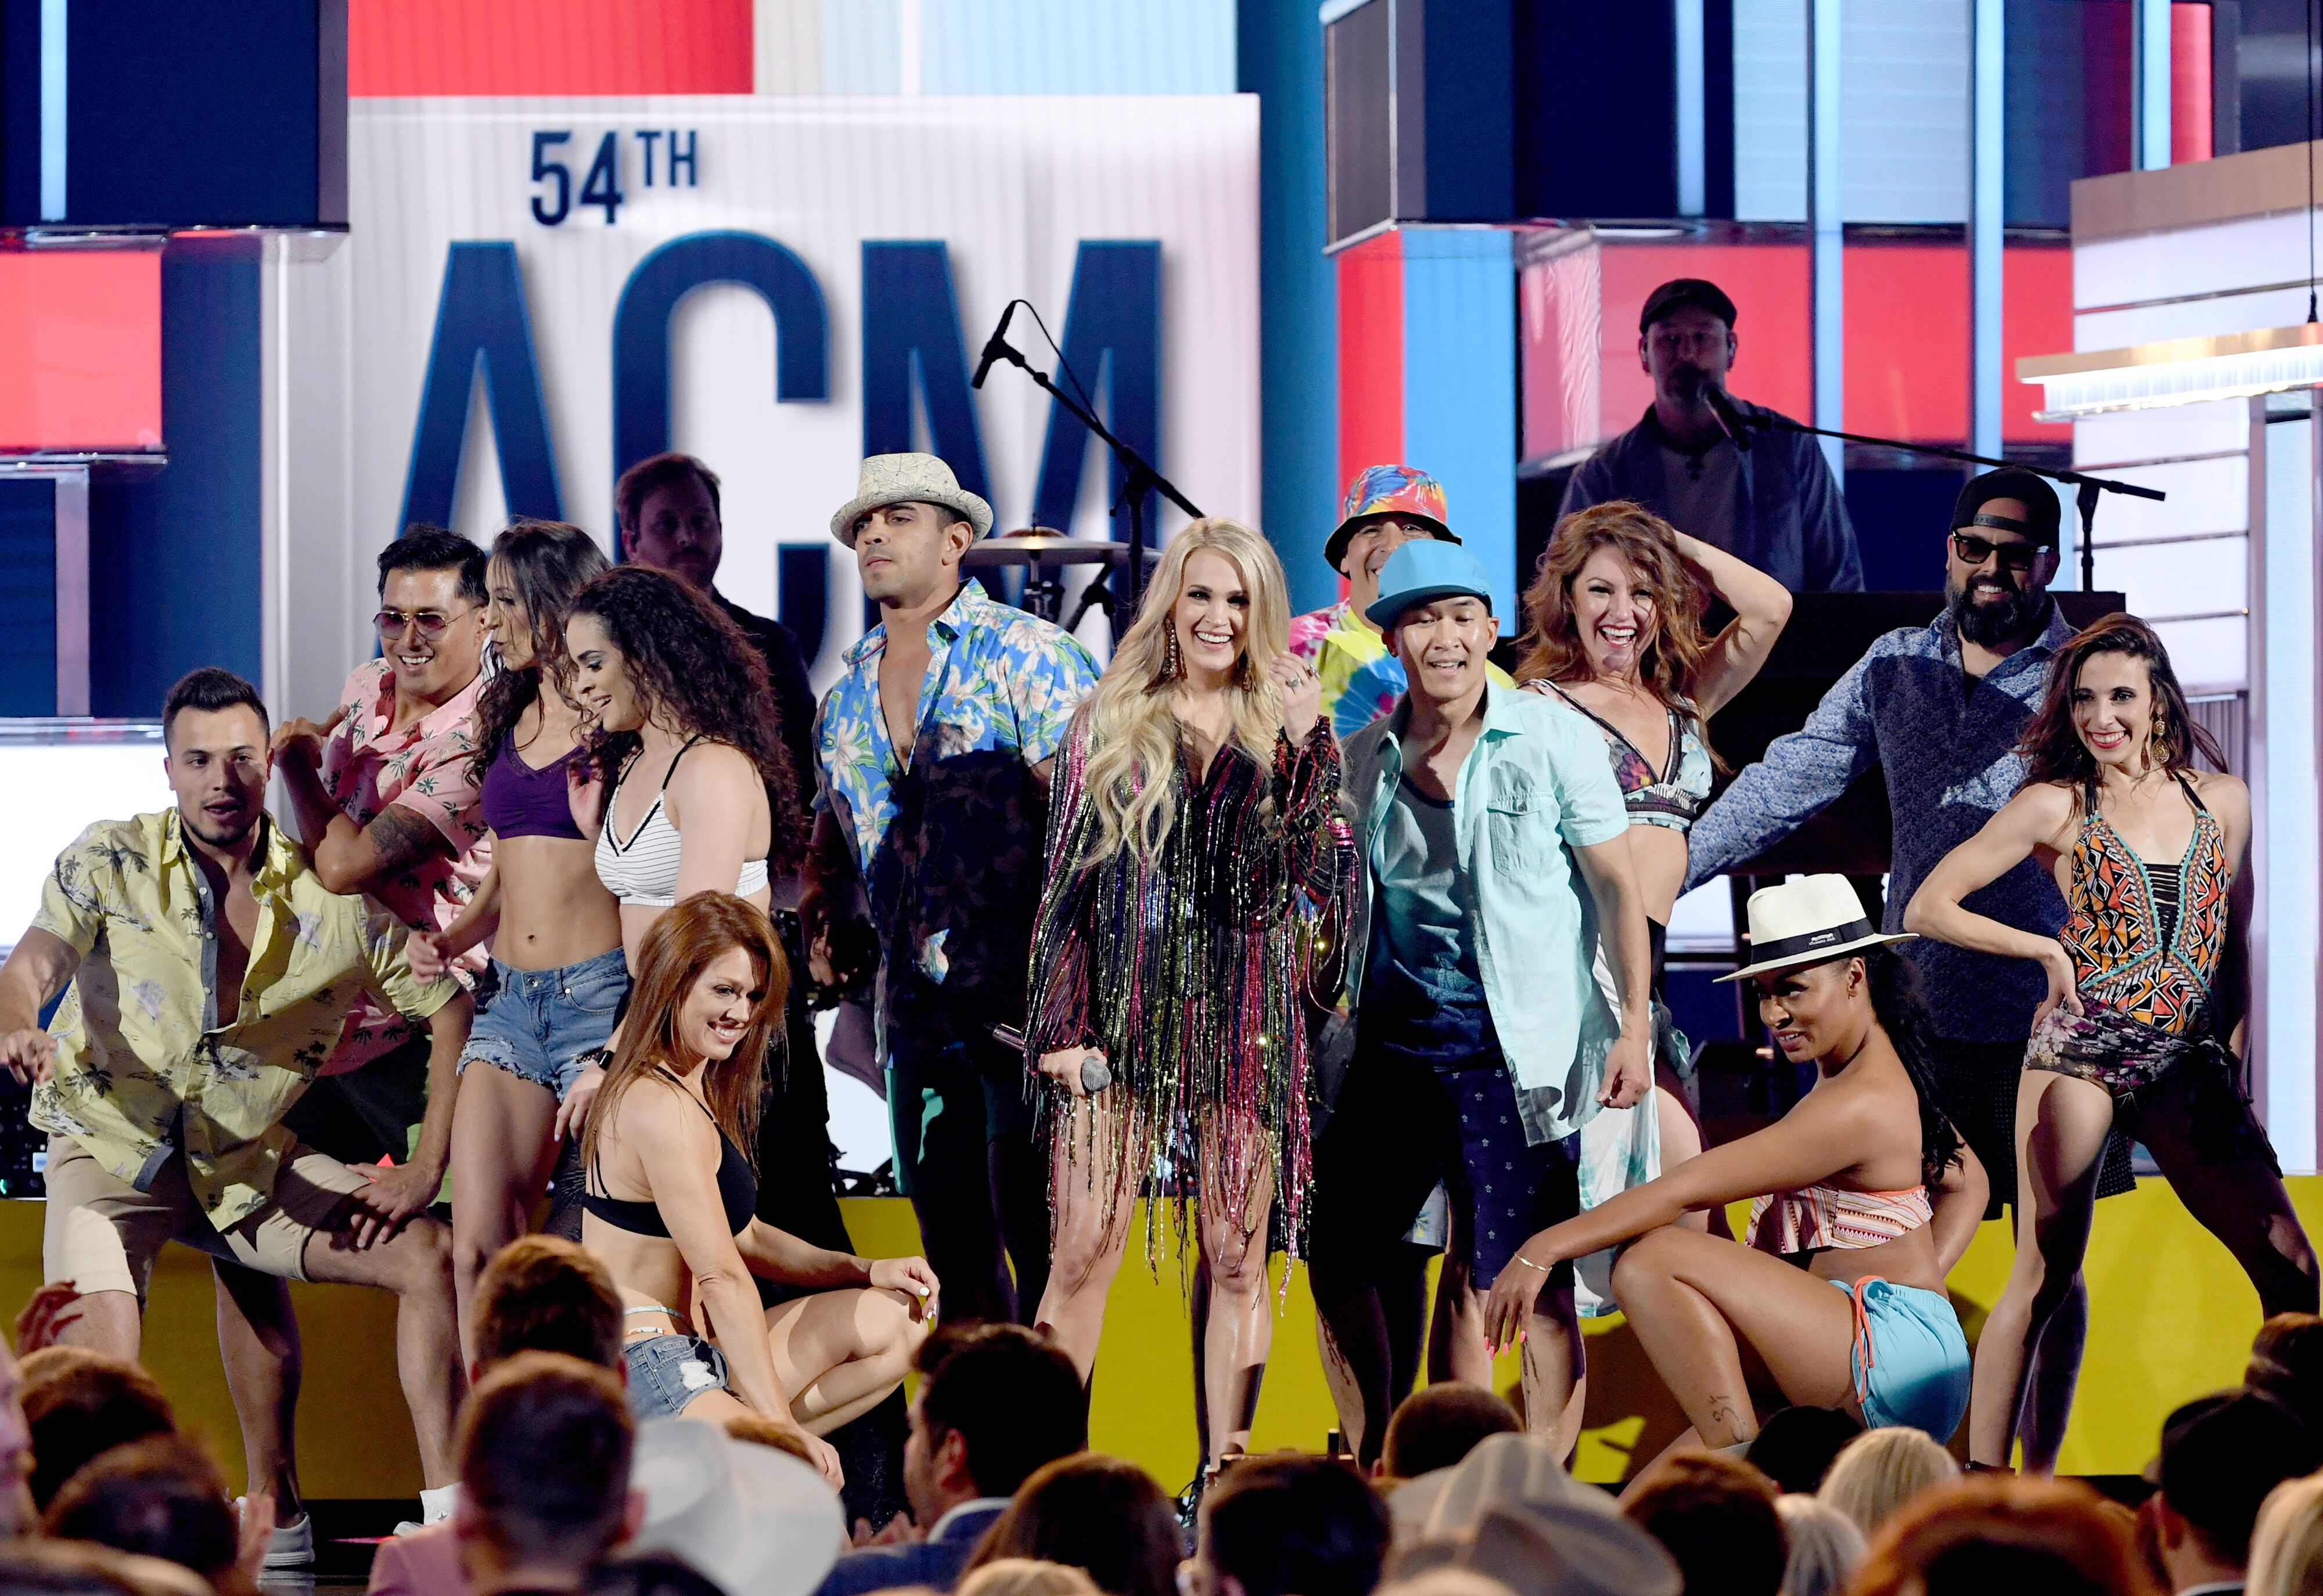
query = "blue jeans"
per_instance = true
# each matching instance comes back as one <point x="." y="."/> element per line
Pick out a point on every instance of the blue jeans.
<point x="536" y="1023"/>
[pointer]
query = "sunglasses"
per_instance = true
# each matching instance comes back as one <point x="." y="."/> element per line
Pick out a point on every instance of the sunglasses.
<point x="430" y="622"/>
<point x="2014" y="556"/>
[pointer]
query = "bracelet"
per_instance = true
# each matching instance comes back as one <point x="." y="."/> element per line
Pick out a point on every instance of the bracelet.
<point x="1528" y="1264"/>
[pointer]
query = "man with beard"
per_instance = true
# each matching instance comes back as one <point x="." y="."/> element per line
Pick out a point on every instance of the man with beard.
<point x="1939" y="708"/>
<point x="1776" y="506"/>
<point x="206" y="971"/>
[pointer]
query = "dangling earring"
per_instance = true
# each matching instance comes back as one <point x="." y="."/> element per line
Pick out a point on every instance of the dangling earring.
<point x="2157" y="745"/>
<point x="1172" y="666"/>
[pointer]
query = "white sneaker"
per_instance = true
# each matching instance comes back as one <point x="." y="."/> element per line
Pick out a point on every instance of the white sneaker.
<point x="290" y="1545"/>
<point x="409" y="1526"/>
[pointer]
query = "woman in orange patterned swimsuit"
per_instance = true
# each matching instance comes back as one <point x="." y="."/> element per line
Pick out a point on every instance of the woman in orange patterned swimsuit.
<point x="2144" y="1018"/>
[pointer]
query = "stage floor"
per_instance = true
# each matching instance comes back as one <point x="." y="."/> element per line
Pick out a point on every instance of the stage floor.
<point x="2170" y="1317"/>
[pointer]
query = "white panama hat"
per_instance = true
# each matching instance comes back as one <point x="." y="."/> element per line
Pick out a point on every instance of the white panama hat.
<point x="757" y="1521"/>
<point x="1807" y="922"/>
<point x="897" y="478"/>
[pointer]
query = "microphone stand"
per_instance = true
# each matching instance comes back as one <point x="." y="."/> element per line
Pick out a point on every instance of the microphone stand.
<point x="2085" y="498"/>
<point x="1139" y="478"/>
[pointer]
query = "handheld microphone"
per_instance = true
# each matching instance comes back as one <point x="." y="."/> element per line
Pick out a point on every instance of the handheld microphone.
<point x="1732" y="421"/>
<point x="996" y="348"/>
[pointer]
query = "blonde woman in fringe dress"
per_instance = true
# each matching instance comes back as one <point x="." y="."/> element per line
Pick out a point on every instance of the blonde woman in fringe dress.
<point x="1198" y="879"/>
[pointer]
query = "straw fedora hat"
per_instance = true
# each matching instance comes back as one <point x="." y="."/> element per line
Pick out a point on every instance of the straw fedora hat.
<point x="1807" y="922"/>
<point x="893" y="479"/>
<point x="756" y="1521"/>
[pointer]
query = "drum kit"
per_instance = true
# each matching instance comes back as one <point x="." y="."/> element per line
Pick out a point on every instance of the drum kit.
<point x="1044" y="552"/>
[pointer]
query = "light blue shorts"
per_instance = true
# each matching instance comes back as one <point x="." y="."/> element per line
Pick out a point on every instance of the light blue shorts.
<point x="1910" y="1360"/>
<point x="536" y="1023"/>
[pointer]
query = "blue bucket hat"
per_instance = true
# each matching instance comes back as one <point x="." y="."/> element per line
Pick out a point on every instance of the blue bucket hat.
<point x="1422" y="572"/>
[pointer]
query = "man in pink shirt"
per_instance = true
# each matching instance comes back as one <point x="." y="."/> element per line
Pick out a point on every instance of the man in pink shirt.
<point x="383" y="798"/>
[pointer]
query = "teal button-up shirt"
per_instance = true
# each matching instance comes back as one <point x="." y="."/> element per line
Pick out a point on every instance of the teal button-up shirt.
<point x="1536" y="785"/>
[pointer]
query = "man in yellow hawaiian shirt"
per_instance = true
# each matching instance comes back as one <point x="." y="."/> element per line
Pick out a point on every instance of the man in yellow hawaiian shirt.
<point x="210" y="974"/>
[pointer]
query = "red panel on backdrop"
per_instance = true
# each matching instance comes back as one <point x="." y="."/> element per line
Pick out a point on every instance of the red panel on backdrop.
<point x="1907" y="340"/>
<point x="1768" y="285"/>
<point x="444" y="47"/>
<point x="1370" y="354"/>
<point x="2036" y="317"/>
<point x="2189" y="82"/>
<point x="81" y="338"/>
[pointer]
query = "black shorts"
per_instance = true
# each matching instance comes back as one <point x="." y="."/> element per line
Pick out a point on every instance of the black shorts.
<point x="1398" y="1129"/>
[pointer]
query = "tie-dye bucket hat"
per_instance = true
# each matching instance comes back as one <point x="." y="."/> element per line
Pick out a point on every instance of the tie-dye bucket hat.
<point x="1389" y="490"/>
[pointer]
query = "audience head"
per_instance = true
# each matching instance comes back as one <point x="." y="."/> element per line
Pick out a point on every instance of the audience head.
<point x="1100" y="1515"/>
<point x="213" y="749"/>
<point x="644" y="646"/>
<point x="1291" y="1526"/>
<point x="161" y="1497"/>
<point x="711" y="981"/>
<point x="1025" y="1576"/>
<point x="758" y="1519"/>
<point x="2286" y="1554"/>
<point x="755" y="1429"/>
<point x="1716" y="1516"/>
<point x="432" y="611"/>
<point x="1796" y="1446"/>
<point x="667" y="506"/>
<point x="995" y="1402"/>
<point x="1825" y="1547"/>
<point x="2286" y="1362"/>
<point x="1881" y="1470"/>
<point x="1989" y="1536"/>
<point x="544" y="1448"/>
<point x="1438" y="1426"/>
<point x="17" y="1511"/>
<point x="33" y="1567"/>
<point x="85" y="1406"/>
<point x="544" y="1294"/>
<point x="2220" y="1456"/>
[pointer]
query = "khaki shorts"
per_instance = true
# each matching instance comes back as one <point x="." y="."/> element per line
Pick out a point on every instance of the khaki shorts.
<point x="103" y="1234"/>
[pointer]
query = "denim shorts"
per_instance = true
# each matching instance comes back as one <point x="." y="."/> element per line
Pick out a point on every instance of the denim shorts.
<point x="536" y="1023"/>
<point x="667" y="1371"/>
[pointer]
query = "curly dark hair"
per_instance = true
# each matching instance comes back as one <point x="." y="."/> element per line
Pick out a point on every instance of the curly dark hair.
<point x="688" y="662"/>
<point x="2052" y="745"/>
<point x="547" y="563"/>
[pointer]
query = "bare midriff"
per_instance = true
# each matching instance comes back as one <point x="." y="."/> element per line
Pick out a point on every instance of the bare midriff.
<point x="553" y="910"/>
<point x="1659" y="854"/>
<point x="1910" y="1259"/>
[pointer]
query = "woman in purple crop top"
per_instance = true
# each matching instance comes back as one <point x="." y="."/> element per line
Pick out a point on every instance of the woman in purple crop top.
<point x="558" y="974"/>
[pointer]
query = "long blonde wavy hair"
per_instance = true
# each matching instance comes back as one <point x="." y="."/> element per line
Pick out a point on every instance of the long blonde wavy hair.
<point x="1134" y="729"/>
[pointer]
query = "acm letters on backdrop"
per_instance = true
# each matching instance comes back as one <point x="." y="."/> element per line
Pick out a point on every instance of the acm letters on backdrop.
<point x="912" y="335"/>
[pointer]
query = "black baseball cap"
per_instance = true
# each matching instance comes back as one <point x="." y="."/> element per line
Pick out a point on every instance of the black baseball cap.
<point x="2220" y="1456"/>
<point x="2010" y="481"/>
<point x="1681" y="291"/>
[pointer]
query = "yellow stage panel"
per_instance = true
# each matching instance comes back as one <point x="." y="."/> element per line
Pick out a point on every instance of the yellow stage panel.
<point x="2170" y="1317"/>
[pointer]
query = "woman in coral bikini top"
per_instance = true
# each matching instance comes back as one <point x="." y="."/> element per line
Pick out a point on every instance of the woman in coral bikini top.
<point x="1863" y="1186"/>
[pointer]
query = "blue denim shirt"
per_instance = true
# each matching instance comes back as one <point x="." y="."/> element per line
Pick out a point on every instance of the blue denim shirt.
<point x="1535" y="785"/>
<point x="1951" y="762"/>
<point x="1789" y="521"/>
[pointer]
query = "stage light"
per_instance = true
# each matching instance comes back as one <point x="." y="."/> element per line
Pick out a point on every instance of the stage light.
<point x="2175" y="371"/>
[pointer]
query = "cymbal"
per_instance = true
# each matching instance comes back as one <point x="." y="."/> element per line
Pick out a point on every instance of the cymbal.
<point x="1042" y="549"/>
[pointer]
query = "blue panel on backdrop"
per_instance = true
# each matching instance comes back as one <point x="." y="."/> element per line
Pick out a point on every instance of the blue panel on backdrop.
<point x="912" y="340"/>
<point x="481" y="320"/>
<point x="1899" y="519"/>
<point x="1112" y="344"/>
<point x="28" y="597"/>
<point x="1460" y="388"/>
<point x="197" y="114"/>
<point x="175" y="560"/>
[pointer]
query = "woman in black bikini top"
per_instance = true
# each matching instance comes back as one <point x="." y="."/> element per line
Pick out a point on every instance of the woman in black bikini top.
<point x="671" y="1197"/>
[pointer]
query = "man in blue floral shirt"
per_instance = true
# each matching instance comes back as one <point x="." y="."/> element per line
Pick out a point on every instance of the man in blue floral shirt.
<point x="935" y="751"/>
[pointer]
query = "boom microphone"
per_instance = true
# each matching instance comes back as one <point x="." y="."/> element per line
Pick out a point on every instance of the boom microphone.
<point x="995" y="347"/>
<point x="1732" y="421"/>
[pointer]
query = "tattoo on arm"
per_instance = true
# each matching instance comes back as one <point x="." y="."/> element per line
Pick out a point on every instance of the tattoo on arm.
<point x="401" y="837"/>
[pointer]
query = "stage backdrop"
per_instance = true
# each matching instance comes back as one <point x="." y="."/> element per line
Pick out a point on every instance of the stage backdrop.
<point x="536" y="293"/>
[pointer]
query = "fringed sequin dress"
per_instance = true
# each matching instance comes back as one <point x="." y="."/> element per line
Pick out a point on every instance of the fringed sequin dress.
<point x="1194" y="970"/>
